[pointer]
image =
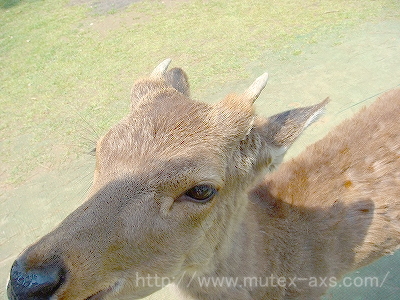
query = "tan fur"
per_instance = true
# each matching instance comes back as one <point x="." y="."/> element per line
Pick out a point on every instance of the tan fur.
<point x="332" y="209"/>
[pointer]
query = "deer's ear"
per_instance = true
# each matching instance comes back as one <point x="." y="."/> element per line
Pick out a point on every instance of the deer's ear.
<point x="160" y="80"/>
<point x="178" y="79"/>
<point x="284" y="128"/>
<point x="175" y="77"/>
<point x="277" y="133"/>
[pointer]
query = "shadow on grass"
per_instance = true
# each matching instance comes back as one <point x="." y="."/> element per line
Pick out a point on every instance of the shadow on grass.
<point x="7" y="4"/>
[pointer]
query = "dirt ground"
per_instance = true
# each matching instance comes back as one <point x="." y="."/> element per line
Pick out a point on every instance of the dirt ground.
<point x="351" y="67"/>
<point x="104" y="6"/>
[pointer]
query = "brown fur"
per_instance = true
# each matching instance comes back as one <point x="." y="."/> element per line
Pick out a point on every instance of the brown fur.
<point x="332" y="209"/>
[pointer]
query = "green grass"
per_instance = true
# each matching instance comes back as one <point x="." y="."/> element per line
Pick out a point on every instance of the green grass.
<point x="66" y="71"/>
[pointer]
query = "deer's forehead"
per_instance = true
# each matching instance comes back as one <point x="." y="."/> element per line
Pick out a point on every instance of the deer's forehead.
<point x="170" y="127"/>
<point x="156" y="137"/>
<point x="159" y="142"/>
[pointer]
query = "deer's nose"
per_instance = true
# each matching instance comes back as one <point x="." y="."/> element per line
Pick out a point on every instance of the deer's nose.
<point x="38" y="283"/>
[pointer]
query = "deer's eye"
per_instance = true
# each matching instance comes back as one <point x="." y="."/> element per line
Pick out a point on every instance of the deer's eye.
<point x="201" y="193"/>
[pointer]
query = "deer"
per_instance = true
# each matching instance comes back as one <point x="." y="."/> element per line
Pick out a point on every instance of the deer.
<point x="185" y="191"/>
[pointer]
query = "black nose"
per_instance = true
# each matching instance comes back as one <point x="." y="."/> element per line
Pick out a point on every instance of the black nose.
<point x="38" y="283"/>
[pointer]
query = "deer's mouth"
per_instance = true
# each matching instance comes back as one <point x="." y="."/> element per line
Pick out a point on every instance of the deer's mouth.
<point x="100" y="295"/>
<point x="103" y="293"/>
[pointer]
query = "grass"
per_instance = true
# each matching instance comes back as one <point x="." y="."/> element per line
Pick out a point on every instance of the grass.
<point x="66" y="71"/>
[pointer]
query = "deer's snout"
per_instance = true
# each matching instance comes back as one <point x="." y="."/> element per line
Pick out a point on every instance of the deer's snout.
<point x="35" y="283"/>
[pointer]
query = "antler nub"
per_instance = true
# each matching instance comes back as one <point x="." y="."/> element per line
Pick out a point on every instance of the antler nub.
<point x="256" y="87"/>
<point x="161" y="69"/>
